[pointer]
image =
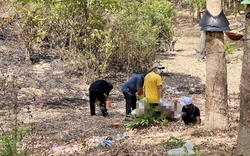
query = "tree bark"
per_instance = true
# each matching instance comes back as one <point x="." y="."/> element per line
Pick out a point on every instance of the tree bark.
<point x="214" y="6"/>
<point x="243" y="145"/>
<point x="216" y="75"/>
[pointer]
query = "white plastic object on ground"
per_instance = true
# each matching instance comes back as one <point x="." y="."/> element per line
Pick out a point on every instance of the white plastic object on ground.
<point x="133" y="112"/>
<point x="99" y="110"/>
<point x="181" y="151"/>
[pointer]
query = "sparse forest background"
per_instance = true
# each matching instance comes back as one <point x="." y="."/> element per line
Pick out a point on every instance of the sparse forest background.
<point x="90" y="40"/>
<point x="100" y="34"/>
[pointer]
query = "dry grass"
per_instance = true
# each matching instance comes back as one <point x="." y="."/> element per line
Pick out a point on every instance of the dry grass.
<point x="65" y="117"/>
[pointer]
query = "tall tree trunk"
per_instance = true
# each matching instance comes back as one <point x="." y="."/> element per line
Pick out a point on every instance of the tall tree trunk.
<point x="243" y="144"/>
<point x="216" y="75"/>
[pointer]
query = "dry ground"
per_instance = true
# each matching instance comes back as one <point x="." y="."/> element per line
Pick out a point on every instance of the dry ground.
<point x="64" y="119"/>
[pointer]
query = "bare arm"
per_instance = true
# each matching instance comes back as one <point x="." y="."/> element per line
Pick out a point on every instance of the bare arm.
<point x="198" y="120"/>
<point x="181" y="116"/>
<point x="140" y="91"/>
<point x="144" y="91"/>
<point x="160" y="91"/>
<point x="106" y="97"/>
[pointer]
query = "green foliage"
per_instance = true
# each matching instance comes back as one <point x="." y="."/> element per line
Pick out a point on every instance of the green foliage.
<point x="162" y="15"/>
<point x="197" y="152"/>
<point x="9" y="141"/>
<point x="237" y="10"/>
<point x="174" y="142"/>
<point x="192" y="5"/>
<point x="139" y="28"/>
<point x="135" y="38"/>
<point x="75" y="28"/>
<point x="229" y="49"/>
<point x="100" y="36"/>
<point x="144" y="123"/>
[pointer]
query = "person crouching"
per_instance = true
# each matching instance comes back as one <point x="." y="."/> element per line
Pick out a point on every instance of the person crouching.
<point x="190" y="114"/>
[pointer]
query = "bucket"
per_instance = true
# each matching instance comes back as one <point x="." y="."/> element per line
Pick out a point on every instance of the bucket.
<point x="108" y="104"/>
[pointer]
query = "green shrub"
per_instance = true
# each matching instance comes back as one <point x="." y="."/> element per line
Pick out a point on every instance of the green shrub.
<point x="229" y="49"/>
<point x="98" y="37"/>
<point x="144" y="123"/>
<point x="11" y="139"/>
<point x="174" y="142"/>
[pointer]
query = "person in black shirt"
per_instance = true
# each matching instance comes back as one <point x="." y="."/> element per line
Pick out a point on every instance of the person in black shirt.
<point x="99" y="91"/>
<point x="190" y="114"/>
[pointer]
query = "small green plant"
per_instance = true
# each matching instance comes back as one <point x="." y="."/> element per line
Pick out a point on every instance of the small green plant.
<point x="174" y="142"/>
<point x="148" y="117"/>
<point x="145" y="122"/>
<point x="10" y="139"/>
<point x="229" y="49"/>
<point x="238" y="9"/>
<point x="195" y="151"/>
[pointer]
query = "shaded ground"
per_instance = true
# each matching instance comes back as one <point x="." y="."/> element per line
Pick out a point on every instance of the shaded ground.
<point x="58" y="107"/>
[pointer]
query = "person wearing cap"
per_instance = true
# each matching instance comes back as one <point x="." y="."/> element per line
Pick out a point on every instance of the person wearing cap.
<point x="153" y="84"/>
<point x="99" y="93"/>
<point x="190" y="114"/>
<point x="130" y="88"/>
<point x="153" y="87"/>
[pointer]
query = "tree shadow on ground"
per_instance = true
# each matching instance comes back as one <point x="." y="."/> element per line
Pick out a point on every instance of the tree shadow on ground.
<point x="172" y="55"/>
<point x="179" y="82"/>
<point x="166" y="56"/>
<point x="66" y="102"/>
<point x="117" y="98"/>
<point x="38" y="57"/>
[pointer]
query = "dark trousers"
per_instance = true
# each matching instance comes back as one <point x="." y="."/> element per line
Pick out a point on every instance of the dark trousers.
<point x="130" y="102"/>
<point x="188" y="120"/>
<point x="93" y="95"/>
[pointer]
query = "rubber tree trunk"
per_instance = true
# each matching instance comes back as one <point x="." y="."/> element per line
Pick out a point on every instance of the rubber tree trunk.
<point x="216" y="75"/>
<point x="243" y="141"/>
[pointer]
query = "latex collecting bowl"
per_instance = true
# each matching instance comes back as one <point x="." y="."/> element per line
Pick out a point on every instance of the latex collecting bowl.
<point x="234" y="36"/>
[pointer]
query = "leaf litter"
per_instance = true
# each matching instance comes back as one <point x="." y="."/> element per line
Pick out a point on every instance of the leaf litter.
<point x="63" y="125"/>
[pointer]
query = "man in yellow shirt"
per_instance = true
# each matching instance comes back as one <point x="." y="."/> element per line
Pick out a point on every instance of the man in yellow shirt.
<point x="153" y="84"/>
<point x="153" y="90"/>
